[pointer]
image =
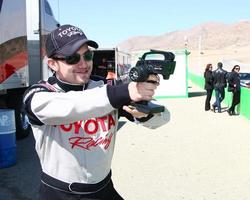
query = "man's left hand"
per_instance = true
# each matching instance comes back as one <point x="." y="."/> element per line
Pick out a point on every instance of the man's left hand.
<point x="134" y="112"/>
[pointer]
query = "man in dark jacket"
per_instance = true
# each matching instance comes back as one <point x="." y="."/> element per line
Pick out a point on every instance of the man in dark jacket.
<point x="220" y="82"/>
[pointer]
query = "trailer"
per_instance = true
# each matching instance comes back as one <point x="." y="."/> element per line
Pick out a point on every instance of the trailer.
<point x="24" y="25"/>
<point x="111" y="60"/>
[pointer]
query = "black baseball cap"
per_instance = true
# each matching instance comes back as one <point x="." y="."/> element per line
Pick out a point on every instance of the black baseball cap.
<point x="66" y="40"/>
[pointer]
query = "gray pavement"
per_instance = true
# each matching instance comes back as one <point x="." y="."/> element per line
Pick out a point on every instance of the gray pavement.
<point x="21" y="181"/>
<point x="198" y="155"/>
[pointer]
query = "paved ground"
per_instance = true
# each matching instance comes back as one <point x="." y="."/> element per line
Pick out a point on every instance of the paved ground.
<point x="198" y="155"/>
<point x="21" y="181"/>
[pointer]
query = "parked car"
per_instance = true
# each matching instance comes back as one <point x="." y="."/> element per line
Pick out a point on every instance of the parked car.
<point x="245" y="79"/>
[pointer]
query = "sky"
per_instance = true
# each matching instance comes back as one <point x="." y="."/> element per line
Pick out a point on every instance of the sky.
<point x="110" y="22"/>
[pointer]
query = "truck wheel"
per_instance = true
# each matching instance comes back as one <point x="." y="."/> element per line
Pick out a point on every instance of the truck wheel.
<point x="22" y="124"/>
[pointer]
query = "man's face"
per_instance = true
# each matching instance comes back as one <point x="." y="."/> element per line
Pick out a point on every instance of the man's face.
<point x="78" y="73"/>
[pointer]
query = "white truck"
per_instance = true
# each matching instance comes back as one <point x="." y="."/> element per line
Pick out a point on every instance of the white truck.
<point x="23" y="27"/>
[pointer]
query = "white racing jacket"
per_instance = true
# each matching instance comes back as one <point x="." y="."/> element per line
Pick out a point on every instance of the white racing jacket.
<point x="75" y="127"/>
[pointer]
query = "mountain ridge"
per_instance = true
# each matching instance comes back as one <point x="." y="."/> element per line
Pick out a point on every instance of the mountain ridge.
<point x="205" y="36"/>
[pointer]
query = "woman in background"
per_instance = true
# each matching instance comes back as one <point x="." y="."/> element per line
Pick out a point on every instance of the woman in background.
<point x="234" y="87"/>
<point x="208" y="85"/>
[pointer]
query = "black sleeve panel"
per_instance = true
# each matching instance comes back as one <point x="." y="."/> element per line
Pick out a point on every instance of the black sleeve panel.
<point x="27" y="97"/>
<point x="118" y="95"/>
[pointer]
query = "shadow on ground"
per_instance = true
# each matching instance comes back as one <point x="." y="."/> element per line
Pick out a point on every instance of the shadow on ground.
<point x="121" y="124"/>
<point x="196" y="94"/>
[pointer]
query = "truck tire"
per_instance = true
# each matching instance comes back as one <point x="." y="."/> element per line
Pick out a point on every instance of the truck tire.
<point x="23" y="128"/>
<point x="22" y="124"/>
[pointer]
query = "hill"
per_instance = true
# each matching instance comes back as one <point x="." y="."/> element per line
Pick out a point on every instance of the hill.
<point x="207" y="36"/>
<point x="211" y="42"/>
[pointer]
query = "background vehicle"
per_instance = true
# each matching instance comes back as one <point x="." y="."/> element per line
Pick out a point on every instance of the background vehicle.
<point x="115" y="60"/>
<point x="245" y="79"/>
<point x="24" y="25"/>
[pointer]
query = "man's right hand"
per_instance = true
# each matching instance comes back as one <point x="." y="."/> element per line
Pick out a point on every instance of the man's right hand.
<point x="139" y="91"/>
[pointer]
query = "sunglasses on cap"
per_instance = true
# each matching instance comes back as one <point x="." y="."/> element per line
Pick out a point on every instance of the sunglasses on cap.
<point x="75" y="58"/>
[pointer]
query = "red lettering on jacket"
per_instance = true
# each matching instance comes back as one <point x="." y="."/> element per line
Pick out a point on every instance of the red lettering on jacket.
<point x="87" y="126"/>
<point x="90" y="126"/>
<point x="77" y="126"/>
<point x="101" y="120"/>
<point x="88" y="142"/>
<point x="65" y="128"/>
<point x="111" y="121"/>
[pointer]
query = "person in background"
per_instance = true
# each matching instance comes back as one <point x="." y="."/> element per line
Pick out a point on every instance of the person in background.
<point x="219" y="82"/>
<point x="102" y="68"/>
<point x="234" y="87"/>
<point x="208" y="85"/>
<point x="111" y="72"/>
<point x="74" y="119"/>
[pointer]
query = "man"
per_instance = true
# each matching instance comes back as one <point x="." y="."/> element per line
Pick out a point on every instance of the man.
<point x="75" y="118"/>
<point x="219" y="82"/>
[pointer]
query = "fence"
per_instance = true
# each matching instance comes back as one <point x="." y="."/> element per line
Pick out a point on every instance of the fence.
<point x="244" y="106"/>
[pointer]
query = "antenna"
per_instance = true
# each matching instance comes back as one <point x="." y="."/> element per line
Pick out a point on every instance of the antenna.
<point x="186" y="42"/>
<point x="200" y="45"/>
<point x="58" y="11"/>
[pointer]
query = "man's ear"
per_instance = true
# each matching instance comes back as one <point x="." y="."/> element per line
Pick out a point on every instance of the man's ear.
<point x="52" y="64"/>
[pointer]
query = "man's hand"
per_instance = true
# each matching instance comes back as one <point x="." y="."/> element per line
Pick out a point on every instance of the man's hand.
<point x="139" y="91"/>
<point x="134" y="112"/>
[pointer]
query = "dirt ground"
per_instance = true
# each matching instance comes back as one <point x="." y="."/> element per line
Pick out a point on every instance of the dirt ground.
<point x="198" y="155"/>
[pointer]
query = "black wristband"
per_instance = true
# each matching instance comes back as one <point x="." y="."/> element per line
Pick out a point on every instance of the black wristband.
<point x="118" y="95"/>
